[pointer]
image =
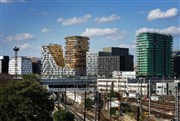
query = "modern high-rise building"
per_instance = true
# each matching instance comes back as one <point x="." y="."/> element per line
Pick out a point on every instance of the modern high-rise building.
<point x="75" y="54"/>
<point x="154" y="55"/>
<point x="92" y="64"/>
<point x="52" y="61"/>
<point x="24" y="66"/>
<point x="4" y="64"/>
<point x="114" y="59"/>
<point x="176" y="63"/>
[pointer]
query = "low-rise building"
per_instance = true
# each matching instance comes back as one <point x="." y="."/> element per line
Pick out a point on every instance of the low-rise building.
<point x="161" y="88"/>
<point x="122" y="85"/>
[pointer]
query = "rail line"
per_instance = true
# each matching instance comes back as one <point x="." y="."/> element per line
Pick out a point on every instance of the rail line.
<point x="78" y="117"/>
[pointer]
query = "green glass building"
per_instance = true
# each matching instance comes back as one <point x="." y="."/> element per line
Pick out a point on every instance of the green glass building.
<point x="154" y="55"/>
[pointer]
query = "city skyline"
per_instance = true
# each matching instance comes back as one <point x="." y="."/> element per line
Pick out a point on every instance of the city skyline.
<point x="31" y="24"/>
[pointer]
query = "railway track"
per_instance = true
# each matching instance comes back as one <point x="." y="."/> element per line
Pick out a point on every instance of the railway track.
<point x="159" y="109"/>
<point x="78" y="117"/>
<point x="78" y="113"/>
<point x="165" y="106"/>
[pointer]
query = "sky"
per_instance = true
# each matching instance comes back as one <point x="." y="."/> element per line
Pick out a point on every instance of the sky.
<point x="29" y="24"/>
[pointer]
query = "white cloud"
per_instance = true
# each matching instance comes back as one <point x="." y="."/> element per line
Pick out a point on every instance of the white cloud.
<point x="5" y="1"/>
<point x="132" y="47"/>
<point x="74" y="20"/>
<point x="158" y="14"/>
<point x="20" y="36"/>
<point x="110" y="33"/>
<point x="110" y="18"/>
<point x="10" y="1"/>
<point x="172" y="30"/>
<point x="24" y="46"/>
<point x="46" y="30"/>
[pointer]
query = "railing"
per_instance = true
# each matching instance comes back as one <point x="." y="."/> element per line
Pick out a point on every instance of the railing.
<point x="71" y="89"/>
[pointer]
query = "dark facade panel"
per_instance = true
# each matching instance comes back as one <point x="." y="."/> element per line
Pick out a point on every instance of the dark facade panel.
<point x="116" y="51"/>
<point x="4" y="64"/>
<point x="176" y="66"/>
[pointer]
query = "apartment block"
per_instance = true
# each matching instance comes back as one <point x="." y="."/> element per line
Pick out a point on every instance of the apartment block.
<point x="154" y="55"/>
<point x="52" y="61"/>
<point x="114" y="59"/>
<point x="92" y="64"/>
<point x="24" y="66"/>
<point x="75" y="54"/>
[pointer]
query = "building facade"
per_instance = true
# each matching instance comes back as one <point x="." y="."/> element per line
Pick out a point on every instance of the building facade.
<point x="122" y="85"/>
<point x="154" y="55"/>
<point x="75" y="54"/>
<point x="124" y="74"/>
<point x="92" y="64"/>
<point x="36" y="65"/>
<point x="4" y="64"/>
<point x="114" y="59"/>
<point x="52" y="61"/>
<point x="176" y="64"/>
<point x="24" y="66"/>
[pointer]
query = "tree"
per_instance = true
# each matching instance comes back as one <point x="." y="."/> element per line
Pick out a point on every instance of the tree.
<point x="63" y="115"/>
<point x="89" y="103"/>
<point x="33" y="77"/>
<point x="25" y="101"/>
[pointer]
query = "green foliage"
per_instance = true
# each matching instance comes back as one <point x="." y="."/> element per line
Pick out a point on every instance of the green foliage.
<point x="33" y="77"/>
<point x="89" y="103"/>
<point x="25" y="101"/>
<point x="125" y="107"/>
<point x="131" y="114"/>
<point x="112" y="94"/>
<point x="63" y="115"/>
<point x="113" y="111"/>
<point x="142" y="117"/>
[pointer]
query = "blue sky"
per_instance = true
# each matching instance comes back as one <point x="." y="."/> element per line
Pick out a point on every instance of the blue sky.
<point x="29" y="24"/>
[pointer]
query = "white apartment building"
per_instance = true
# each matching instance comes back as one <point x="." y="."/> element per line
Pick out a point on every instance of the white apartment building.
<point x="124" y="74"/>
<point x="24" y="66"/>
<point x="91" y="64"/>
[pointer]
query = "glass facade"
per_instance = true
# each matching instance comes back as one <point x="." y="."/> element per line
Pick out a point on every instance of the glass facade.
<point x="154" y="55"/>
